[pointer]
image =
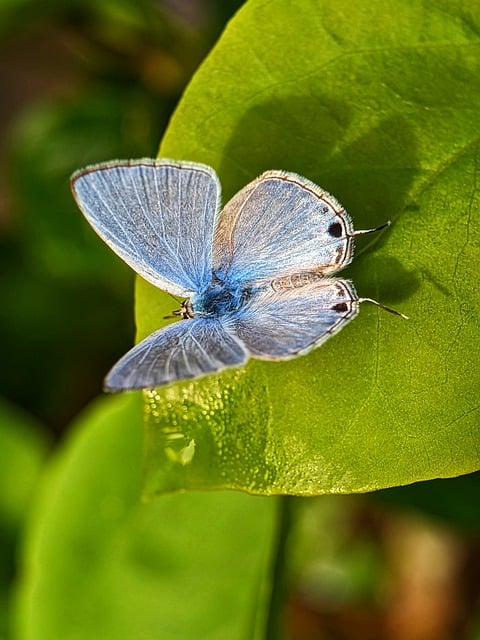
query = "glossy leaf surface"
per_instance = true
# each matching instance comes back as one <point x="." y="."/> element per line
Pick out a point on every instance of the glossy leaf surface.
<point x="384" y="115"/>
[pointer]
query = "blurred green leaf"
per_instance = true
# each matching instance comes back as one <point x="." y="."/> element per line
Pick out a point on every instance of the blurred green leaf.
<point x="330" y="559"/>
<point x="384" y="114"/>
<point x="23" y="447"/>
<point x="99" y="564"/>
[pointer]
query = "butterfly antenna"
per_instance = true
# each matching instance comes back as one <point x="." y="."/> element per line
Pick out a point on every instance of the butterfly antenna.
<point x="362" y="232"/>
<point x="382" y="306"/>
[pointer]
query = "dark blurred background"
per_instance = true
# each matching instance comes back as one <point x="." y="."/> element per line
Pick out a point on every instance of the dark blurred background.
<point x="83" y="82"/>
<point x="87" y="81"/>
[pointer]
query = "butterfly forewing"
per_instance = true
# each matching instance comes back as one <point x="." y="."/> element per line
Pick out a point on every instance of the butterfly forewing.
<point x="281" y="224"/>
<point x="159" y="216"/>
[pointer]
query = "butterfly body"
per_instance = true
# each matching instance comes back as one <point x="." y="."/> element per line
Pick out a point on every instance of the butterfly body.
<point x="219" y="299"/>
<point x="256" y="276"/>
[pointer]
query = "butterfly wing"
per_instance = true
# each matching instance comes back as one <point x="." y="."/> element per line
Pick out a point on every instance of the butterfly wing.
<point x="279" y="224"/>
<point x="184" y="349"/>
<point x="159" y="216"/>
<point x="283" y="323"/>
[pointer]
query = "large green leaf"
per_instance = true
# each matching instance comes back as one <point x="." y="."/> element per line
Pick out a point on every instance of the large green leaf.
<point x="99" y="564"/>
<point x="379" y="103"/>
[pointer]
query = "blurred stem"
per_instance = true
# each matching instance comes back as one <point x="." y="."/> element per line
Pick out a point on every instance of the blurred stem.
<point x="274" y="627"/>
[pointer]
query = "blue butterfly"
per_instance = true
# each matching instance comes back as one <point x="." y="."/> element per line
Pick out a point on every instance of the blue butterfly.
<point x="256" y="276"/>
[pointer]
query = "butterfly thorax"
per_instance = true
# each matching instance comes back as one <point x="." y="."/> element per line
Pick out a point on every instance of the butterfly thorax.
<point x="218" y="299"/>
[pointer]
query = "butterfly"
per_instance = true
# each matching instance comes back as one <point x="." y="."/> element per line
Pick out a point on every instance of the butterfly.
<point x="255" y="277"/>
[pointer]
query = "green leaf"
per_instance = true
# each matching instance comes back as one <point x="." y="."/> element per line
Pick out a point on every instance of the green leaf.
<point x="23" y="448"/>
<point x="100" y="564"/>
<point x="382" y="112"/>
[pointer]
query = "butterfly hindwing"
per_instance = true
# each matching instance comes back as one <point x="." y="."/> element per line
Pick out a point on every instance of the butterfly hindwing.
<point x="281" y="224"/>
<point x="282" y="321"/>
<point x="159" y="216"/>
<point x="184" y="349"/>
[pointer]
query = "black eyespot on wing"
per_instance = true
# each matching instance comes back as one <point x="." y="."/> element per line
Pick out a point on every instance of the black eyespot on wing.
<point x="335" y="230"/>
<point x="341" y="307"/>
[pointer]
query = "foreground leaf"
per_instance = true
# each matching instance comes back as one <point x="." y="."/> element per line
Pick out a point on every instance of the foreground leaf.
<point x="384" y="114"/>
<point x="99" y="564"/>
<point x="23" y="447"/>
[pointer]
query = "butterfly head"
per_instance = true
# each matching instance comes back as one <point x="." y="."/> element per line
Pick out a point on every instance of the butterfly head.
<point x="185" y="311"/>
